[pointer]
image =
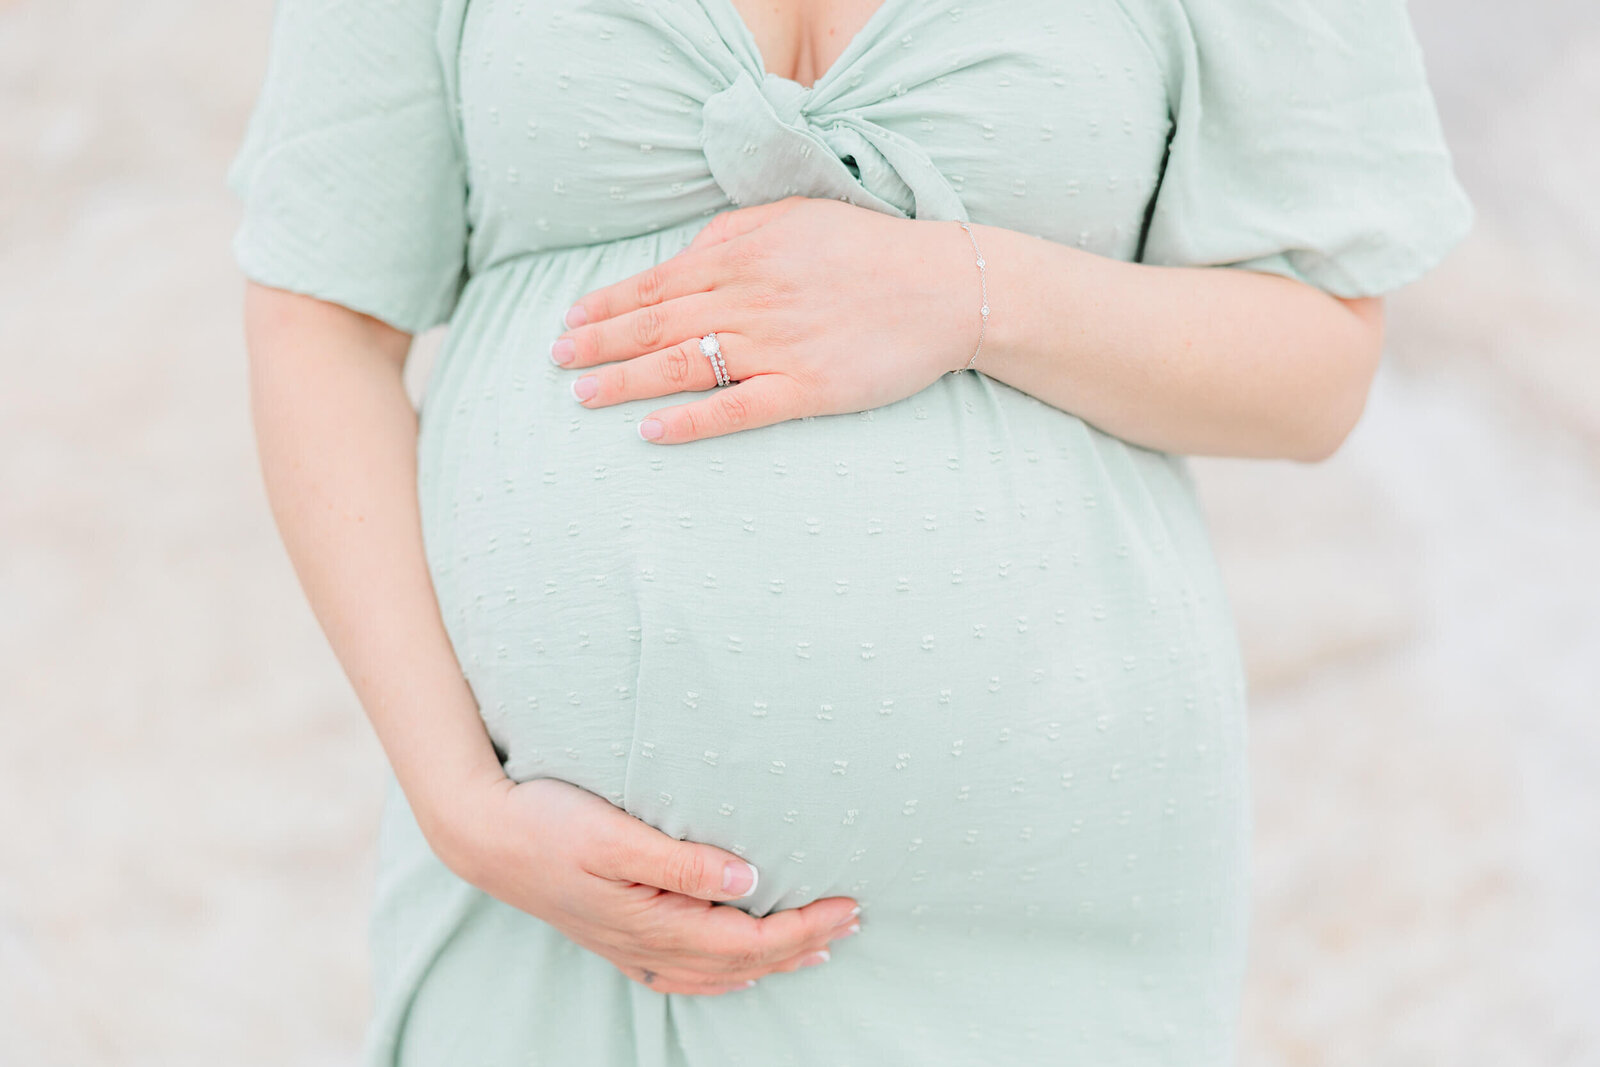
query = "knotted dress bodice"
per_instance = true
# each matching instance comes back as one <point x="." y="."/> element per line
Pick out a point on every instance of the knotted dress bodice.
<point x="964" y="656"/>
<point x="573" y="146"/>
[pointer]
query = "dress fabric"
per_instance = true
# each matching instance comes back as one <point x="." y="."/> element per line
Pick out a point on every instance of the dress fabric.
<point x="964" y="656"/>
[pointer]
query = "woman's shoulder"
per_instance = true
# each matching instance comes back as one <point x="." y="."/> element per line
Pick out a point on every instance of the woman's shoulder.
<point x="1305" y="141"/>
<point x="1299" y="38"/>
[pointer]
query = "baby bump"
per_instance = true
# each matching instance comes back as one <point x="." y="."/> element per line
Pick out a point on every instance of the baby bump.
<point x="961" y="657"/>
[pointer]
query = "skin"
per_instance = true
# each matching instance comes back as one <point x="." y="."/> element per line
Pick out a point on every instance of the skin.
<point x="801" y="39"/>
<point x="337" y="438"/>
<point x="1192" y="360"/>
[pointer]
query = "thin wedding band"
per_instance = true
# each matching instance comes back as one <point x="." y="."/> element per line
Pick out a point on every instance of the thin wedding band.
<point x="711" y="348"/>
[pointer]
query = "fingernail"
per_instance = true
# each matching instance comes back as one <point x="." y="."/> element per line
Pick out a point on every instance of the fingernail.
<point x="853" y="928"/>
<point x="575" y="316"/>
<point x="585" y="387"/>
<point x="738" y="876"/>
<point x="822" y="957"/>
<point x="563" y="350"/>
<point x="650" y="429"/>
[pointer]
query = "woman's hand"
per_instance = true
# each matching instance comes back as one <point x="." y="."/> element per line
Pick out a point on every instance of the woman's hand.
<point x="820" y="307"/>
<point x="625" y="891"/>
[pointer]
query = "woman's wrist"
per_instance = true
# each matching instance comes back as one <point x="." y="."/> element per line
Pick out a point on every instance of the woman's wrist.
<point x="1019" y="271"/>
<point x="453" y="813"/>
<point x="979" y="300"/>
<point x="447" y="777"/>
<point x="942" y="269"/>
<point x="1194" y="360"/>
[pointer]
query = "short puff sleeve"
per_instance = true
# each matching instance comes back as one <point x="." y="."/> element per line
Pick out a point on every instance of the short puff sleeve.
<point x="1305" y="143"/>
<point x="351" y="171"/>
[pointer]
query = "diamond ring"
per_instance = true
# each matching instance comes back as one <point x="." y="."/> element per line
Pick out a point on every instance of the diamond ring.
<point x="712" y="350"/>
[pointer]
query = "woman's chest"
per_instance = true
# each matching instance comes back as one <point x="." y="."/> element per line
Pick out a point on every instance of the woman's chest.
<point x="800" y="39"/>
<point x="589" y="121"/>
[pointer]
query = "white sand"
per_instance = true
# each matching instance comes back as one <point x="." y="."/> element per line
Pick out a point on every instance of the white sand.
<point x="188" y="790"/>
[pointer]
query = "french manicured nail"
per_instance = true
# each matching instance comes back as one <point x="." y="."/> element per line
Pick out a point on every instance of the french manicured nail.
<point x="853" y="928"/>
<point x="737" y="877"/>
<point x="822" y="957"/>
<point x="650" y="429"/>
<point x="575" y="316"/>
<point x="563" y="350"/>
<point x="585" y="387"/>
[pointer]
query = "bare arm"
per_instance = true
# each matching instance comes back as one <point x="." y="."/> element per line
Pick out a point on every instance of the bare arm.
<point x="337" y="436"/>
<point x="1195" y="360"/>
<point x="1191" y="360"/>
<point x="337" y="439"/>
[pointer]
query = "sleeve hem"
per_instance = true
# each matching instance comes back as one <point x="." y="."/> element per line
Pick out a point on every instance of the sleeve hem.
<point x="411" y="315"/>
<point x="1351" y="277"/>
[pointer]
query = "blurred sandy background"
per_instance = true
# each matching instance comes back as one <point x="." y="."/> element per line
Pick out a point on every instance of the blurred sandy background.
<point x="188" y="790"/>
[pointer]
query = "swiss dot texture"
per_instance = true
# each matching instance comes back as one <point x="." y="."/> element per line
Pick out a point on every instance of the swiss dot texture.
<point x="962" y="657"/>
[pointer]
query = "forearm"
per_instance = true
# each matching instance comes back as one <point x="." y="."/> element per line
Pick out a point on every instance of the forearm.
<point x="337" y="436"/>
<point x="1201" y="361"/>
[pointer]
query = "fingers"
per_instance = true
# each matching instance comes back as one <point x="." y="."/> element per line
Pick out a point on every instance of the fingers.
<point x="732" y="973"/>
<point x="634" y="851"/>
<point x="737" y="223"/>
<point x="639" y="330"/>
<point x="660" y="916"/>
<point x="686" y="272"/>
<point x="731" y="942"/>
<point x="675" y="934"/>
<point x="748" y="941"/>
<point x="759" y="400"/>
<point x="639" y="313"/>
<point x="681" y="368"/>
<point x="688" y="984"/>
<point x="696" y="983"/>
<point x="802" y="960"/>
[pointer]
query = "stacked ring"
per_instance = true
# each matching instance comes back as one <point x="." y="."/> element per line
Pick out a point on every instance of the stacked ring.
<point x="712" y="350"/>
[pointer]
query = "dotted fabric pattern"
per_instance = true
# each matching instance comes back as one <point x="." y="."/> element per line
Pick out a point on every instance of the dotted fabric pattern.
<point x="964" y="656"/>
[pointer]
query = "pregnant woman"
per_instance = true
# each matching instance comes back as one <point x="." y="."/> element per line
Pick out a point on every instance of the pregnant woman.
<point x="796" y="539"/>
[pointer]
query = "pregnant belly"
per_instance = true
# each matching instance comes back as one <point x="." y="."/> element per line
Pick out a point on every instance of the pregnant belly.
<point x="958" y="656"/>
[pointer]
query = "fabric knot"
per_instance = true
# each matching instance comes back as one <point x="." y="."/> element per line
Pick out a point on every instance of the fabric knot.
<point x="762" y="145"/>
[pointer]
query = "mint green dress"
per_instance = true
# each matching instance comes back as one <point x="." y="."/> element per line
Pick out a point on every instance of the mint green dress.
<point x="964" y="657"/>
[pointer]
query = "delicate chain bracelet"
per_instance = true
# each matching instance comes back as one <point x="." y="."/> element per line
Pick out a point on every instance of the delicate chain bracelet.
<point x="983" y="282"/>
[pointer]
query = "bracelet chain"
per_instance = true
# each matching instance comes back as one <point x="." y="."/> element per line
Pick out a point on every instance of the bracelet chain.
<point x="983" y="283"/>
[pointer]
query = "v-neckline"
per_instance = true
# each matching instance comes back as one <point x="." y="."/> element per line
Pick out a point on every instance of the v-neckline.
<point x="860" y="40"/>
